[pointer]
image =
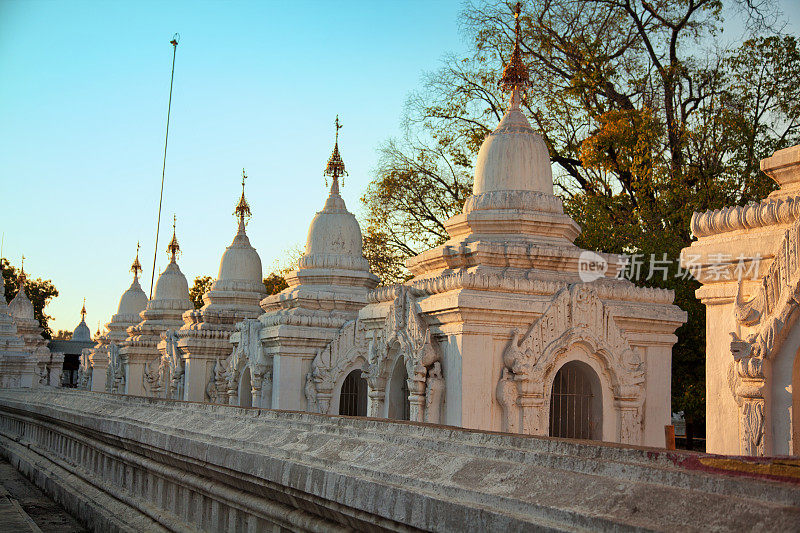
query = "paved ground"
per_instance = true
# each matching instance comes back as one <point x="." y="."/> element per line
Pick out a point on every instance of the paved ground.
<point x="24" y="508"/>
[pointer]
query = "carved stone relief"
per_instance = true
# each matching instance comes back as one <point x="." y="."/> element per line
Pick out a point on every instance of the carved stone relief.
<point x="405" y="331"/>
<point x="767" y="315"/>
<point x="331" y="364"/>
<point x="575" y="315"/>
<point x="223" y="385"/>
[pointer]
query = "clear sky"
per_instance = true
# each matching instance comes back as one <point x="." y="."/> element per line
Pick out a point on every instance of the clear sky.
<point x="83" y="100"/>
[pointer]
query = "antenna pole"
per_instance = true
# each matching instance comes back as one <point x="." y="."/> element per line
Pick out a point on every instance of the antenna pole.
<point x="174" y="43"/>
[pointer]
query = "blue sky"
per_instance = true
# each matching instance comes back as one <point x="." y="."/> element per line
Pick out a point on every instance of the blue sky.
<point x="83" y="99"/>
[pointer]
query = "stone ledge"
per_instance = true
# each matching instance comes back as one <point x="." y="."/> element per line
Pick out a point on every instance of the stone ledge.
<point x="393" y="475"/>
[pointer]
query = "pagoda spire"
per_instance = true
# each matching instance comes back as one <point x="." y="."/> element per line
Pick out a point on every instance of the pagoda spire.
<point x="173" y="248"/>
<point x="21" y="277"/>
<point x="515" y="78"/>
<point x="136" y="267"/>
<point x="335" y="167"/>
<point x="242" y="211"/>
<point x="83" y="311"/>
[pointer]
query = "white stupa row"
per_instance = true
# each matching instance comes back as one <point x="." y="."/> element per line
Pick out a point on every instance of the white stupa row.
<point x="153" y="347"/>
<point x="496" y="330"/>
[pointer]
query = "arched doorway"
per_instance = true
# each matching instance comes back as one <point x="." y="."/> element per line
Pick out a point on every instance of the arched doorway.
<point x="245" y="389"/>
<point x="398" y="407"/>
<point x="576" y="403"/>
<point x="353" y="398"/>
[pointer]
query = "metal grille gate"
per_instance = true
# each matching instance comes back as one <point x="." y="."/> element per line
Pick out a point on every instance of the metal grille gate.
<point x="570" y="404"/>
<point x="353" y="399"/>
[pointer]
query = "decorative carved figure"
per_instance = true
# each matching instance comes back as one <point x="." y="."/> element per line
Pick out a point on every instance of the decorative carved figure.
<point x="434" y="394"/>
<point x="507" y="398"/>
<point x="311" y="393"/>
<point x="85" y="369"/>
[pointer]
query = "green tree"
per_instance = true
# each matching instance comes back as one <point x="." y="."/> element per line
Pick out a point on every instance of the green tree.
<point x="63" y="335"/>
<point x="645" y="118"/>
<point x="39" y="292"/>
<point x="275" y="283"/>
<point x="201" y="285"/>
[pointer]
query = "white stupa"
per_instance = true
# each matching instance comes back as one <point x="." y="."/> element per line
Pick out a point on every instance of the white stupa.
<point x="49" y="365"/>
<point x="204" y="336"/>
<point x="161" y="313"/>
<point x="100" y="374"/>
<point x="17" y="363"/>
<point x="498" y="319"/>
<point x="326" y="291"/>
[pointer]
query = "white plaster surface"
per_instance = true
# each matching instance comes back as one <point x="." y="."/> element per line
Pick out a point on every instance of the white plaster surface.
<point x="752" y="334"/>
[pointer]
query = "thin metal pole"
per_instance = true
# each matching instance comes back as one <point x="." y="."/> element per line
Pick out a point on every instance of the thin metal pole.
<point x="174" y="43"/>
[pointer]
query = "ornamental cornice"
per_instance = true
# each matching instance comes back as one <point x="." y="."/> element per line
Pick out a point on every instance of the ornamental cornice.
<point x="519" y="254"/>
<point x="390" y="292"/>
<point x="300" y="317"/>
<point x="522" y="200"/>
<point x="221" y="334"/>
<point x="247" y="287"/>
<point x="123" y="320"/>
<point x="768" y="212"/>
<point x="216" y="316"/>
<point x="329" y="261"/>
<point x="172" y="304"/>
<point x="508" y="281"/>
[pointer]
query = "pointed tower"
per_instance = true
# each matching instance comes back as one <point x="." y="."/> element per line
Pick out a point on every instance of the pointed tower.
<point x="191" y="351"/>
<point x="49" y="365"/>
<point x="131" y="304"/>
<point x="324" y="293"/>
<point x="18" y="366"/>
<point x="139" y="355"/>
<point x="82" y="333"/>
<point x="479" y="336"/>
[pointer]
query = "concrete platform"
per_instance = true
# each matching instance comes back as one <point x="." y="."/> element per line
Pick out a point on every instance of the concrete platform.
<point x="128" y="463"/>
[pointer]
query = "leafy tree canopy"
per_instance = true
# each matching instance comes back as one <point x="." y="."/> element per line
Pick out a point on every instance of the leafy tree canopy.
<point x="646" y="118"/>
<point x="63" y="335"/>
<point x="275" y="283"/>
<point x="201" y="285"/>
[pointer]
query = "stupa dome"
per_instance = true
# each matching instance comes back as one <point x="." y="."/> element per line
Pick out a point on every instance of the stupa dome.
<point x="21" y="306"/>
<point x="241" y="262"/>
<point x="513" y="158"/>
<point x="82" y="333"/>
<point x="171" y="284"/>
<point x="334" y="230"/>
<point x="133" y="301"/>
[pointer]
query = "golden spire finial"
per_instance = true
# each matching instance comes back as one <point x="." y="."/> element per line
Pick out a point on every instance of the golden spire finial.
<point x="83" y="310"/>
<point x="173" y="247"/>
<point x="335" y="167"/>
<point x="136" y="267"/>
<point x="515" y="78"/>
<point x="242" y="210"/>
<point x="21" y="277"/>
